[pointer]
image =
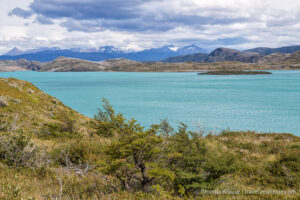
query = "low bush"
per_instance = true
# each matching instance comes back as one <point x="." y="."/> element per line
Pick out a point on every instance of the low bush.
<point x="285" y="172"/>
<point x="57" y="130"/>
<point x="74" y="156"/>
<point x="17" y="150"/>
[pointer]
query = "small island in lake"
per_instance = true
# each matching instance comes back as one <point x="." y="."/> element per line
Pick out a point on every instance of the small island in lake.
<point x="227" y="72"/>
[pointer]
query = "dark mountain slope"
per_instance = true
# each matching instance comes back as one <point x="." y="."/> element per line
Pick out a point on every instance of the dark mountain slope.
<point x="198" y="57"/>
<point x="268" y="51"/>
<point x="218" y="55"/>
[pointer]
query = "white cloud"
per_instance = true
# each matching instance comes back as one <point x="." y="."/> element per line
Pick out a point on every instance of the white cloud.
<point x="233" y="23"/>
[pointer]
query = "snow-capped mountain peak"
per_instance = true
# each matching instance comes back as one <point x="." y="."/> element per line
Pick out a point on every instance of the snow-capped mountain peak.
<point x="109" y="49"/>
<point x="191" y="49"/>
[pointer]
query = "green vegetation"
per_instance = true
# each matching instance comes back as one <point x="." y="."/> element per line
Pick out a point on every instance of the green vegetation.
<point x="234" y="72"/>
<point x="48" y="151"/>
<point x="23" y="106"/>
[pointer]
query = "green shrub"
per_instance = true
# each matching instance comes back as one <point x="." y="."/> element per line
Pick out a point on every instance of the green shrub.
<point x="218" y="165"/>
<point x="74" y="154"/>
<point x="199" y="166"/>
<point x="17" y="149"/>
<point x="285" y="172"/>
<point x="50" y="131"/>
<point x="134" y="155"/>
<point x="66" y="128"/>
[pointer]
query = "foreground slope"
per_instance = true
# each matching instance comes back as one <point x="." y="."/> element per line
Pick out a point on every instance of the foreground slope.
<point x="28" y="108"/>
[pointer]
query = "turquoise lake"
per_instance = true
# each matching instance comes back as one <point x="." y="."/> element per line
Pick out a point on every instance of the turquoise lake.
<point x="264" y="103"/>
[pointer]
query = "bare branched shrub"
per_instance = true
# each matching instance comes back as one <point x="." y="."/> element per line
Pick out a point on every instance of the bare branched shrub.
<point x="3" y="101"/>
<point x="74" y="158"/>
<point x="11" y="126"/>
<point x="30" y="91"/>
<point x="17" y="150"/>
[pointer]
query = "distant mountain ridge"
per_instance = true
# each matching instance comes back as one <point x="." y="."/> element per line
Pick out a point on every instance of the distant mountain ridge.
<point x="103" y="53"/>
<point x="268" y="51"/>
<point x="14" y="52"/>
<point x="224" y="54"/>
<point x="218" y="55"/>
<point x="285" y="54"/>
<point x="167" y="53"/>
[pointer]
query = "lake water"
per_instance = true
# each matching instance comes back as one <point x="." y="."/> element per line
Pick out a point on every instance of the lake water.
<point x="264" y="103"/>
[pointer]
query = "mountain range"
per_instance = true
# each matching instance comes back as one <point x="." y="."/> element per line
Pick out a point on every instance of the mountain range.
<point x="168" y="53"/>
<point x="258" y="55"/>
<point x="219" y="59"/>
<point x="102" y="53"/>
<point x="268" y="51"/>
<point x="218" y="55"/>
<point x="16" y="51"/>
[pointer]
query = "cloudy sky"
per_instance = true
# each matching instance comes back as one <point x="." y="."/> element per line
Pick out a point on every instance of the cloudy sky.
<point x="140" y="24"/>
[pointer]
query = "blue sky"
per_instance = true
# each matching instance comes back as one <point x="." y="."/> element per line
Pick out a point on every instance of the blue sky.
<point x="139" y="24"/>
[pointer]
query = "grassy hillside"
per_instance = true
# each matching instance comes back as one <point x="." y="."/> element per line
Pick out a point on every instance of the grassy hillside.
<point x="48" y="151"/>
<point x="28" y="108"/>
<point x="63" y="64"/>
<point x="269" y="62"/>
